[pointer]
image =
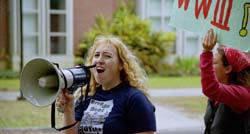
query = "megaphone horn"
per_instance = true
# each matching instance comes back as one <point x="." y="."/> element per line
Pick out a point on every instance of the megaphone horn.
<point x="41" y="80"/>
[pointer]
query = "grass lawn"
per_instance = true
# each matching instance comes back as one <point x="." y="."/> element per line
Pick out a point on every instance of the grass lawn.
<point x="174" y="82"/>
<point x="190" y="105"/>
<point x="17" y="114"/>
<point x="9" y="84"/>
<point x="154" y="82"/>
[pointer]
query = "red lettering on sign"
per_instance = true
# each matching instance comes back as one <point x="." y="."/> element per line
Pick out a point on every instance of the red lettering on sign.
<point x="222" y="24"/>
<point x="204" y="5"/>
<point x="181" y="2"/>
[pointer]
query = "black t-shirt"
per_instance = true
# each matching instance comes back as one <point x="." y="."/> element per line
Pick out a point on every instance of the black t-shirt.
<point x="121" y="110"/>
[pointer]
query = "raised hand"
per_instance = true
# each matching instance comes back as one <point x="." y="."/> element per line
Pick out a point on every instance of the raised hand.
<point x="209" y="40"/>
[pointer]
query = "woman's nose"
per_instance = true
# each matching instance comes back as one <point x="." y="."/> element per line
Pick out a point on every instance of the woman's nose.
<point x="99" y="59"/>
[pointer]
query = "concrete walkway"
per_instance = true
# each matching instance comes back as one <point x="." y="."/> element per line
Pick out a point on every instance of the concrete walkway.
<point x="175" y="92"/>
<point x="172" y="121"/>
<point x="169" y="119"/>
<point x="154" y="93"/>
<point x="9" y="96"/>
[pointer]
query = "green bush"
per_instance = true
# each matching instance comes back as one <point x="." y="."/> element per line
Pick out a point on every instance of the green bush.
<point x="8" y="74"/>
<point x="150" y="47"/>
<point x="188" y="66"/>
<point x="170" y="70"/>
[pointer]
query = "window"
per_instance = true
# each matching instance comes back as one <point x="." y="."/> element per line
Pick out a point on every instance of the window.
<point x="57" y="27"/>
<point x="159" y="12"/>
<point x="47" y="27"/>
<point x="31" y="29"/>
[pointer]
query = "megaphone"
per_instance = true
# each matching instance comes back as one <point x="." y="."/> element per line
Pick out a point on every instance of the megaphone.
<point x="41" y="80"/>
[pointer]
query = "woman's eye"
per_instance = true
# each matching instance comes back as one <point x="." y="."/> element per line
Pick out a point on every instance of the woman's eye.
<point x="108" y="56"/>
<point x="96" y="55"/>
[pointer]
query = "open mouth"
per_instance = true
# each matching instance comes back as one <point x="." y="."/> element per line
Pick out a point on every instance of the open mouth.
<point x="100" y="70"/>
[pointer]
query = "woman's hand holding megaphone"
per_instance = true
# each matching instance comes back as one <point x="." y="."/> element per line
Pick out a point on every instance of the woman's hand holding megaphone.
<point x="65" y="101"/>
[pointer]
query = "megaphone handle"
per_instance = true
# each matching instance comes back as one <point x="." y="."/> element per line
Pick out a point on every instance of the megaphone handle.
<point x="53" y="123"/>
<point x="61" y="108"/>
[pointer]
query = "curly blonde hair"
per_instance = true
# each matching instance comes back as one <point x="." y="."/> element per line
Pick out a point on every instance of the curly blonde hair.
<point x="131" y="73"/>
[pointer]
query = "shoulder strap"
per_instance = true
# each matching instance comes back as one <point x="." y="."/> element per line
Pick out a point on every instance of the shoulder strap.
<point x="53" y="123"/>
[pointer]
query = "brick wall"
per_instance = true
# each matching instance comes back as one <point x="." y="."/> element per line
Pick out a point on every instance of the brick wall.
<point x="85" y="12"/>
<point x="3" y="24"/>
<point x="4" y="33"/>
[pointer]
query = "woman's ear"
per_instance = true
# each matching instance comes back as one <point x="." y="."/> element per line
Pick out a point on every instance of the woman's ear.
<point x="120" y="67"/>
<point x="228" y="69"/>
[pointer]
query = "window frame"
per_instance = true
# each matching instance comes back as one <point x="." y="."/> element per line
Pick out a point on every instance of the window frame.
<point x="65" y="60"/>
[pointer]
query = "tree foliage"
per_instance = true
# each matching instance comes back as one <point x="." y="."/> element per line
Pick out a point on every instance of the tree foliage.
<point x="150" y="47"/>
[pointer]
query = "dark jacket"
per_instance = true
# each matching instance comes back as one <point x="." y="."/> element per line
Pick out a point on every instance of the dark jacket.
<point x="223" y="120"/>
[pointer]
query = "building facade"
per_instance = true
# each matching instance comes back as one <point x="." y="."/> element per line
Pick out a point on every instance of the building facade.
<point x="52" y="29"/>
<point x="159" y="13"/>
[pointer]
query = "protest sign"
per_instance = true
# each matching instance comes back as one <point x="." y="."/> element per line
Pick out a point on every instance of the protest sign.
<point x="228" y="18"/>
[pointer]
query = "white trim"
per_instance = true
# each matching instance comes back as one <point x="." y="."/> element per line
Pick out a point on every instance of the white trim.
<point x="39" y="27"/>
<point x="59" y="34"/>
<point x="15" y="33"/>
<point x="47" y="27"/>
<point x="141" y="8"/>
<point x="146" y="9"/>
<point x="43" y="32"/>
<point x="162" y="14"/>
<point x="58" y="11"/>
<point x="43" y="39"/>
<point x="13" y="26"/>
<point x="67" y="59"/>
<point x="70" y="25"/>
